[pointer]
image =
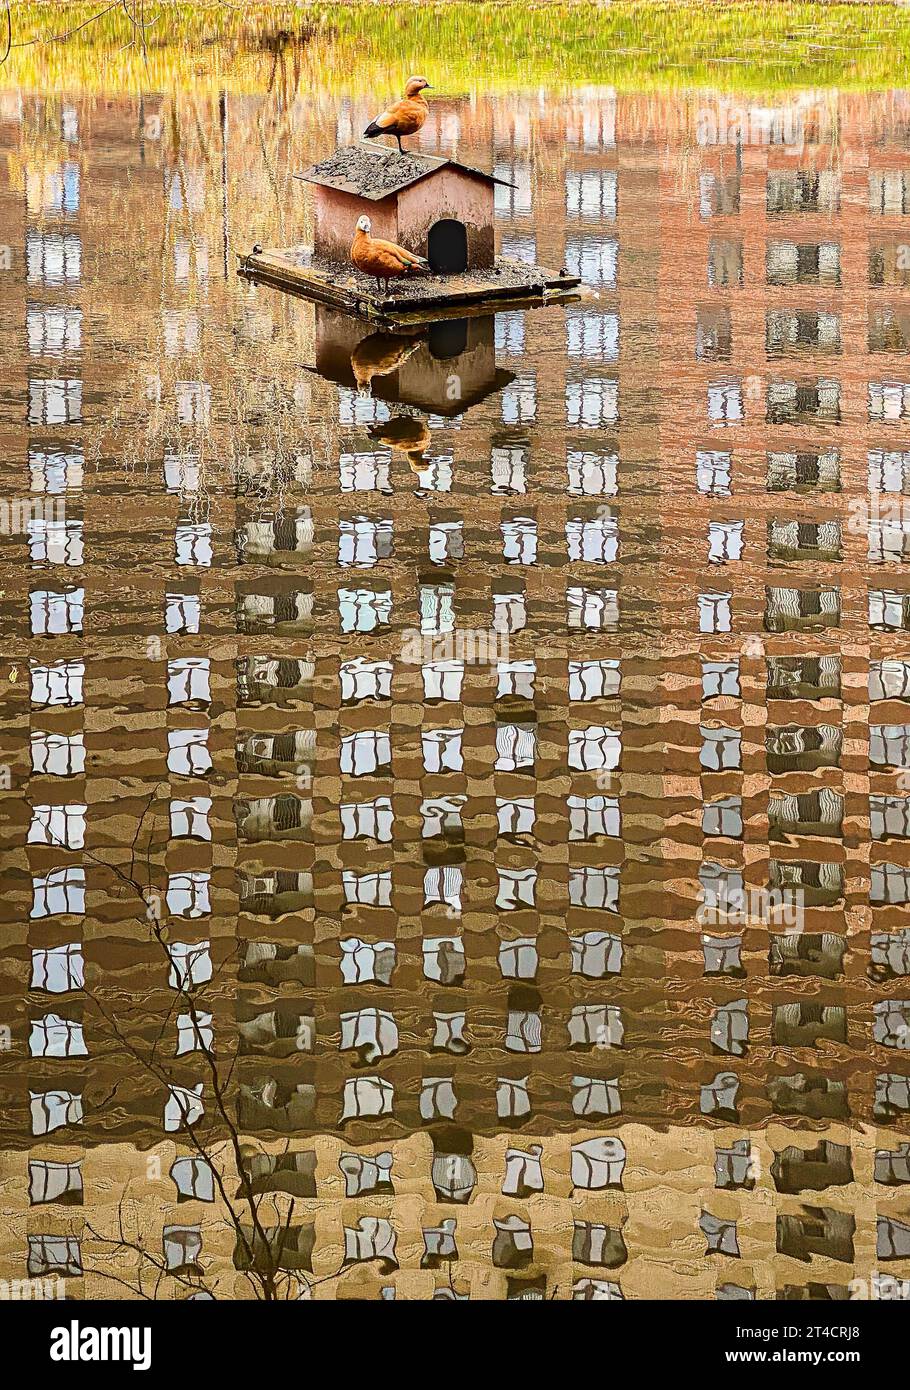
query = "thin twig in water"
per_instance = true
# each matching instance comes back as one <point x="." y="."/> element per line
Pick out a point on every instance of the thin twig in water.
<point x="68" y="33"/>
<point x="9" y="32"/>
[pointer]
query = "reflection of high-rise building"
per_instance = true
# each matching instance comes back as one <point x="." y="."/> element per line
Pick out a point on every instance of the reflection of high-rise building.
<point x="521" y="785"/>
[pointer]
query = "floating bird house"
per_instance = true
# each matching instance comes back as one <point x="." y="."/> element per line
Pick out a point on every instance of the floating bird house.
<point x="433" y="207"/>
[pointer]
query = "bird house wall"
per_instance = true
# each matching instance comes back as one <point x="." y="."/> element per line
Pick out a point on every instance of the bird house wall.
<point x="448" y="193"/>
<point x="335" y="221"/>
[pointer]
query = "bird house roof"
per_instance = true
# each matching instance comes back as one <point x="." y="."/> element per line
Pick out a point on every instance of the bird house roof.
<point x="376" y="171"/>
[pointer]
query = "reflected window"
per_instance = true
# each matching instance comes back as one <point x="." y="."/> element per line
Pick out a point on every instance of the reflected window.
<point x="725" y="402"/>
<point x="368" y="889"/>
<point x="592" y="887"/>
<point x="509" y="329"/>
<point x="713" y="472"/>
<point x="55" y="613"/>
<point x="58" y="755"/>
<point x="519" y="540"/>
<point x="55" y="542"/>
<point x="191" y="964"/>
<point x="592" y="610"/>
<point x="58" y="825"/>
<point x="181" y="612"/>
<point x="714" y="613"/>
<point x="58" y="969"/>
<point x="194" y="403"/>
<point x="193" y="544"/>
<point x="365" y="962"/>
<point x="188" y="680"/>
<point x="444" y="960"/>
<point x="516" y="747"/>
<point x="592" y="474"/>
<point x="365" y="752"/>
<point x="442" y="680"/>
<point x="364" y="610"/>
<point x="58" y="893"/>
<point x="594" y="680"/>
<point x="592" y="403"/>
<point x="593" y="816"/>
<point x="516" y="889"/>
<point x="56" y="470"/>
<point x="721" y="748"/>
<point x="720" y="678"/>
<point x="591" y="194"/>
<point x="442" y="750"/>
<point x="190" y="818"/>
<point x="508" y="465"/>
<point x="58" y="684"/>
<point x="594" y="749"/>
<point x="593" y="336"/>
<point x="723" y="817"/>
<point x="515" y="678"/>
<point x="446" y="542"/>
<point x="515" y="815"/>
<point x="593" y="540"/>
<point x="53" y="259"/>
<point x="188" y="895"/>
<point x="54" y="401"/>
<point x="365" y="680"/>
<point x="53" y="330"/>
<point x="362" y="543"/>
<point x="442" y="884"/>
<point x="518" y="400"/>
<point x="510" y="612"/>
<point x="366" y="472"/>
<point x="889" y="400"/>
<point x="593" y="259"/>
<point x="725" y="264"/>
<point x="367" y="820"/>
<point x="437" y="611"/>
<point x="725" y="541"/>
<point x="53" y="1036"/>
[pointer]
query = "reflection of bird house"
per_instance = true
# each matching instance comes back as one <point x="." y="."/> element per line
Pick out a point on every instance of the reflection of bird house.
<point x="442" y="367"/>
<point x="432" y="207"/>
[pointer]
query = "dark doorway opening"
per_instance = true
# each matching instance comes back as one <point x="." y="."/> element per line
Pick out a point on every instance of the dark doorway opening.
<point x="447" y="247"/>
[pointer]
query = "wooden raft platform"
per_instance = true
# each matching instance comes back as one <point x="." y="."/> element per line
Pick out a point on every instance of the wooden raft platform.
<point x="415" y="299"/>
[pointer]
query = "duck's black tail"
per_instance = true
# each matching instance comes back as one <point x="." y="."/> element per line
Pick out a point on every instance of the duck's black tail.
<point x="373" y="129"/>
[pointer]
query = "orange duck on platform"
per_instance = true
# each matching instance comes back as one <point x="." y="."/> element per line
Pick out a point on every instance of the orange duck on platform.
<point x="403" y="117"/>
<point x="381" y="259"/>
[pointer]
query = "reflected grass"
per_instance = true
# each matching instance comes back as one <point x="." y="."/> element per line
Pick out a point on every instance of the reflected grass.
<point x="766" y="45"/>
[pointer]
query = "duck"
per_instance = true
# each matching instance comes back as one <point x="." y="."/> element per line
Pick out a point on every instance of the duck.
<point x="408" y="434"/>
<point x="380" y="354"/>
<point x="403" y="117"/>
<point x="381" y="259"/>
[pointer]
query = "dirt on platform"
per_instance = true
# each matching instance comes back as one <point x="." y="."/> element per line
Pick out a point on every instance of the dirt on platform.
<point x="423" y="284"/>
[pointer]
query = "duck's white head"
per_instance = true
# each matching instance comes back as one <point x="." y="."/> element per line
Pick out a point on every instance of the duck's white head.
<point x="363" y="224"/>
<point x="415" y="85"/>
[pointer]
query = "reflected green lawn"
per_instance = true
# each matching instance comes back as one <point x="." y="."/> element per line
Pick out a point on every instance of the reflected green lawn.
<point x="767" y="45"/>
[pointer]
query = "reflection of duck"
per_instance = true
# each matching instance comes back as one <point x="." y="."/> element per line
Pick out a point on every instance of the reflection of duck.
<point x="380" y="354"/>
<point x="384" y="260"/>
<point x="409" y="434"/>
<point x="403" y="117"/>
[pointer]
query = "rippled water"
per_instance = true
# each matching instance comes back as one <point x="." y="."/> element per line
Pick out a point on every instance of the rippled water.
<point x="516" y="763"/>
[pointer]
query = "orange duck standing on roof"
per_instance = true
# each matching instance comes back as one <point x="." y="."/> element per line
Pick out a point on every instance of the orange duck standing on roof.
<point x="403" y="117"/>
<point x="382" y="259"/>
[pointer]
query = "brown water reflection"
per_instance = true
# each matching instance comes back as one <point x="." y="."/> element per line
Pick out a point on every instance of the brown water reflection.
<point x="509" y="714"/>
